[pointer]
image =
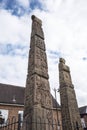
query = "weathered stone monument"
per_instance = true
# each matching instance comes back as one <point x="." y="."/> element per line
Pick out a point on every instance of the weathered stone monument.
<point x="38" y="102"/>
<point x="69" y="108"/>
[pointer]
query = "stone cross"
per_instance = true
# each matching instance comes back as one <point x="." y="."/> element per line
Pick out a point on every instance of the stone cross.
<point x="69" y="107"/>
<point x="38" y="101"/>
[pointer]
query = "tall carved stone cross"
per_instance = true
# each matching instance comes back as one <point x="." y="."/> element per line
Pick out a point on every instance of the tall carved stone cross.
<point x="38" y="102"/>
<point x="69" y="108"/>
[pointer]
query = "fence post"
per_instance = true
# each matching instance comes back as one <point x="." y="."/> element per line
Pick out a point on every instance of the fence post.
<point x="77" y="127"/>
<point x="19" y="122"/>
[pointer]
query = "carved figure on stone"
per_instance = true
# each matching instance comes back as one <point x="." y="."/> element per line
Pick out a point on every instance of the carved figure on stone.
<point x="63" y="66"/>
<point x="43" y="59"/>
<point x="44" y="85"/>
<point x="43" y="99"/>
<point x="37" y="61"/>
<point x="64" y="72"/>
<point x="38" y="96"/>
<point x="49" y="116"/>
<point x="48" y="98"/>
<point x="40" y="43"/>
<point x="48" y="101"/>
<point x="38" y="82"/>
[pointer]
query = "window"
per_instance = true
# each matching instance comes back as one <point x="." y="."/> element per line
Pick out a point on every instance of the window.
<point x="20" y="113"/>
<point x="20" y="116"/>
<point x="83" y="123"/>
<point x="3" y="116"/>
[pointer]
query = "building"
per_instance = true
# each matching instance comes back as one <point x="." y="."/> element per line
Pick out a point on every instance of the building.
<point x="83" y="115"/>
<point x="12" y="102"/>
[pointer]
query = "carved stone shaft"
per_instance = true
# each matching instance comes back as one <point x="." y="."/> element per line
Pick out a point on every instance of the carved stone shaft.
<point x="38" y="102"/>
<point x="69" y="108"/>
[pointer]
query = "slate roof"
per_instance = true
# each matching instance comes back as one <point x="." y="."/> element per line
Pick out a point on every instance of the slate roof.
<point x="83" y="110"/>
<point x="55" y="103"/>
<point x="10" y="94"/>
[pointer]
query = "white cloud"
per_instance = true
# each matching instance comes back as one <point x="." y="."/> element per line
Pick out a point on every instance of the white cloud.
<point x="24" y="3"/>
<point x="13" y="70"/>
<point x="13" y="29"/>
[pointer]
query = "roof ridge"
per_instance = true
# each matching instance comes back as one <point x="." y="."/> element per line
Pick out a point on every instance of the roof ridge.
<point x="11" y="85"/>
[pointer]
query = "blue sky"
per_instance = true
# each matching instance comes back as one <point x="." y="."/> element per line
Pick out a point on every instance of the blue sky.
<point x="65" y="29"/>
<point x="19" y="7"/>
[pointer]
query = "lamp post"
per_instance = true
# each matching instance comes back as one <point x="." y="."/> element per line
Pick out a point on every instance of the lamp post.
<point x="58" y="123"/>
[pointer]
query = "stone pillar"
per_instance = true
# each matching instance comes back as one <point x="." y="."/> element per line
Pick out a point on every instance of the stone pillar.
<point x="38" y="102"/>
<point x="69" y="108"/>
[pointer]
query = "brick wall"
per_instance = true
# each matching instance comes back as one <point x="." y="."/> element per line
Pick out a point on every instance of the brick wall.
<point x="12" y="110"/>
<point x="57" y="116"/>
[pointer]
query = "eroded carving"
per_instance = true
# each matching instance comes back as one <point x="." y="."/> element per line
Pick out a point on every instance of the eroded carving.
<point x="49" y="116"/>
<point x="37" y="30"/>
<point x="37" y="58"/>
<point x="40" y="43"/>
<point x="43" y="99"/>
<point x="38" y="96"/>
<point x="64" y="73"/>
<point x="48" y="99"/>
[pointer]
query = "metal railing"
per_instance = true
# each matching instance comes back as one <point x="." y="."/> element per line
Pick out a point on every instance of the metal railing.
<point x="18" y="124"/>
<point x="45" y="124"/>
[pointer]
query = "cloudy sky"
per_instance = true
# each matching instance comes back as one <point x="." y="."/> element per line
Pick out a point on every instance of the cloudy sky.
<point x="65" y="29"/>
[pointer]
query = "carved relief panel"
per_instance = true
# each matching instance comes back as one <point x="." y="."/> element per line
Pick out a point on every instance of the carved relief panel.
<point x="31" y="61"/>
<point x="44" y="67"/>
<point x="67" y="77"/>
<point x="29" y="91"/>
<point x="64" y="74"/>
<point x="37" y="91"/>
<point x="43" y="59"/>
<point x="38" y="96"/>
<point x="43" y="96"/>
<point x="37" y="58"/>
<point x="48" y="99"/>
<point x="49" y="116"/>
<point x="40" y="43"/>
<point x="37" y="29"/>
<point x="45" y="84"/>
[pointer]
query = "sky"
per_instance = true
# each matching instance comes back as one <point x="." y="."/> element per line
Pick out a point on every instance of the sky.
<point x="65" y="30"/>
